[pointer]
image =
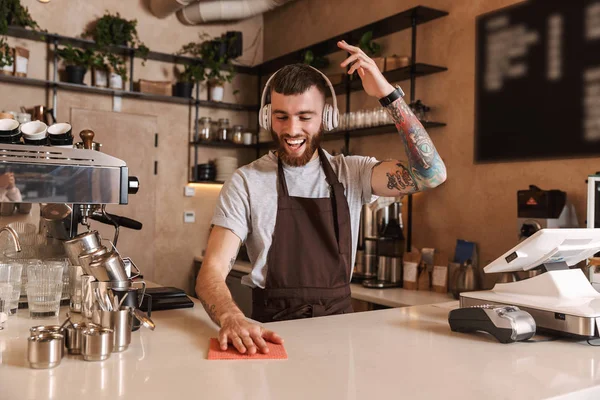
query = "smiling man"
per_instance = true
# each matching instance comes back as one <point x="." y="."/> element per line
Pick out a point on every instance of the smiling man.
<point x="298" y="208"/>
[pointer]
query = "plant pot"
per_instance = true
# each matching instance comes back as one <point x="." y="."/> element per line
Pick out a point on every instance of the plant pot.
<point x="183" y="89"/>
<point x="75" y="74"/>
<point x="216" y="92"/>
<point x="115" y="81"/>
<point x="100" y="78"/>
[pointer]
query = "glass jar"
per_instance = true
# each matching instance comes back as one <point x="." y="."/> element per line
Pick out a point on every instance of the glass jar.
<point x="204" y="131"/>
<point x="223" y="129"/>
<point x="238" y="134"/>
<point x="360" y="119"/>
<point x="351" y="120"/>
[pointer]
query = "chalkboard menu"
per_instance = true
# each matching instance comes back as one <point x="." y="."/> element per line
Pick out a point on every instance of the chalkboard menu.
<point x="538" y="81"/>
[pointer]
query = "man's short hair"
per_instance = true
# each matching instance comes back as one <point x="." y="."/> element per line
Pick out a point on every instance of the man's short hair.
<point x="296" y="79"/>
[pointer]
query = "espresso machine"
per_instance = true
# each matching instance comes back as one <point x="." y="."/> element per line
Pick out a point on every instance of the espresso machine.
<point x="72" y="186"/>
<point x="383" y="245"/>
<point x="539" y="209"/>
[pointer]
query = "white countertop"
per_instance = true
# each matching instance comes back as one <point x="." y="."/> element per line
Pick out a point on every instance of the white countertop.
<point x="397" y="353"/>
<point x="390" y="297"/>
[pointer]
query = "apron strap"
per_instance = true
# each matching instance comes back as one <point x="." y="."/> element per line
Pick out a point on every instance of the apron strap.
<point x="283" y="189"/>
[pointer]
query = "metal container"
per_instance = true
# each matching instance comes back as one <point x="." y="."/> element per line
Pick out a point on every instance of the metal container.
<point x="44" y="329"/>
<point x="368" y="228"/>
<point x="122" y="326"/>
<point x="383" y="269"/>
<point x="44" y="350"/>
<point x="74" y="336"/>
<point x="86" y="258"/>
<point x="395" y="264"/>
<point x="87" y="295"/>
<point x="97" y="343"/>
<point x="56" y="220"/>
<point x="109" y="267"/>
<point x="104" y="318"/>
<point x="76" y="295"/>
<point x="466" y="280"/>
<point x="80" y="244"/>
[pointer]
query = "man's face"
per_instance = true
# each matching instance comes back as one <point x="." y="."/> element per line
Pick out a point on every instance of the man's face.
<point x="296" y="125"/>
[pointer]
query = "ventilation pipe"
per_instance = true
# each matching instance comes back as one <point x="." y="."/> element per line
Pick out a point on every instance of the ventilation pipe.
<point x="164" y="8"/>
<point x="225" y="10"/>
<point x="194" y="12"/>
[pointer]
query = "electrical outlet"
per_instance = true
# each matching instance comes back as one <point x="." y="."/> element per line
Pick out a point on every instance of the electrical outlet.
<point x="189" y="191"/>
<point x="189" y="217"/>
<point x="117" y="103"/>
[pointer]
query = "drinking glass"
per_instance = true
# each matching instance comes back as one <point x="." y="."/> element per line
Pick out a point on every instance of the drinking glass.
<point x="44" y="289"/>
<point x="10" y="273"/>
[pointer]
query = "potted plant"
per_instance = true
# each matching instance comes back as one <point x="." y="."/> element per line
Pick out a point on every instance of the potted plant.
<point x="99" y="69"/>
<point x="316" y="61"/>
<point x="193" y="73"/>
<point x="113" y="30"/>
<point x="76" y="61"/>
<point x="12" y="13"/>
<point x="117" y="71"/>
<point x="216" y="56"/>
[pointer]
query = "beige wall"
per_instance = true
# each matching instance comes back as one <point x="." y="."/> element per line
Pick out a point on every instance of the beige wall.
<point x="478" y="202"/>
<point x="175" y="243"/>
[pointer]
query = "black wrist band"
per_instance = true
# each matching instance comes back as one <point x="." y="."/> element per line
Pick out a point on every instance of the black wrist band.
<point x="390" y="98"/>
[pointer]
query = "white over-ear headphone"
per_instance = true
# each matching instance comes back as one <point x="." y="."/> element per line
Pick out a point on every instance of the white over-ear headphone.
<point x="331" y="115"/>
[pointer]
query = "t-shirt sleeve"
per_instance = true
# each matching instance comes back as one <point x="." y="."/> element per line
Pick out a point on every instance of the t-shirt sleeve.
<point x="233" y="206"/>
<point x="363" y="169"/>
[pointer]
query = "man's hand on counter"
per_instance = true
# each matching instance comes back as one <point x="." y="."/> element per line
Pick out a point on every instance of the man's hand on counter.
<point x="245" y="335"/>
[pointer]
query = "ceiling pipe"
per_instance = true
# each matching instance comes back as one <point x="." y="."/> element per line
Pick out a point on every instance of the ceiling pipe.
<point x="225" y="10"/>
<point x="164" y="8"/>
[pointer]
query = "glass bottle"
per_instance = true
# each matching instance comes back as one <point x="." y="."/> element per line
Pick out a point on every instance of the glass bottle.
<point x="223" y="129"/>
<point x="204" y="131"/>
<point x="238" y="134"/>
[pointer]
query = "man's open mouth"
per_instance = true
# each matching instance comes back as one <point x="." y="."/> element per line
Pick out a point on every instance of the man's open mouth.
<point x="295" y="144"/>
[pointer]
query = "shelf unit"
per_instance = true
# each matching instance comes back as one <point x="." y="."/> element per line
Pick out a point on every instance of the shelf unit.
<point x="408" y="19"/>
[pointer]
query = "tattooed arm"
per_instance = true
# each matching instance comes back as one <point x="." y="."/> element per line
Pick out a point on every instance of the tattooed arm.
<point x="424" y="169"/>
<point x="245" y="336"/>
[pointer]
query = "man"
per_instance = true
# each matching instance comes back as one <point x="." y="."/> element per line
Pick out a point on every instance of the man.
<point x="298" y="209"/>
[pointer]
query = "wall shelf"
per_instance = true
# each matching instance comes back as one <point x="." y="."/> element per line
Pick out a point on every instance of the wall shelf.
<point x="395" y="23"/>
<point x="395" y="75"/>
<point x="125" y="93"/>
<point x="20" y="32"/>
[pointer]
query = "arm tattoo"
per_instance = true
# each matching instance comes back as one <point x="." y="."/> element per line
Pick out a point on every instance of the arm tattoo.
<point x="231" y="263"/>
<point x="401" y="179"/>
<point x="210" y="310"/>
<point x="425" y="164"/>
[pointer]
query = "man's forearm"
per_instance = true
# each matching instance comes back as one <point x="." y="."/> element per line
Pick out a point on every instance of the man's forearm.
<point x="215" y="296"/>
<point x="425" y="167"/>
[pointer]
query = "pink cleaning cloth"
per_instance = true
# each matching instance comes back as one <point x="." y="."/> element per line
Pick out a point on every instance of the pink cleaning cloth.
<point x="276" y="352"/>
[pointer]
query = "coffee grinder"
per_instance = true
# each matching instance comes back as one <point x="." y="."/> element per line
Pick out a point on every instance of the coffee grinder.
<point x="390" y="247"/>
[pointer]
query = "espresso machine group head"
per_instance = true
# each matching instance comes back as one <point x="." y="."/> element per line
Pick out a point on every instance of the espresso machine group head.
<point x="70" y="184"/>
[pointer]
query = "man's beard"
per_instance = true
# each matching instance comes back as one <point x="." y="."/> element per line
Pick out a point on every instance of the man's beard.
<point x="310" y="146"/>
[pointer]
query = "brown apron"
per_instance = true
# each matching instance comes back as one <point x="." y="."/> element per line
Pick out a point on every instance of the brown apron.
<point x="309" y="261"/>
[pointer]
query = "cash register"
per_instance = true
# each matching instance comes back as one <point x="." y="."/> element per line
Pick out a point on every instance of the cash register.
<point x="560" y="300"/>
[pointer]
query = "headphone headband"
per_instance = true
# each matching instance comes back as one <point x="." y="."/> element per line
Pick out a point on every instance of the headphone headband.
<point x="327" y="81"/>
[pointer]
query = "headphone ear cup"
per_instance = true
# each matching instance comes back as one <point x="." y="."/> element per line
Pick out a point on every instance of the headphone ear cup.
<point x="327" y="117"/>
<point x="264" y="119"/>
<point x="335" y="118"/>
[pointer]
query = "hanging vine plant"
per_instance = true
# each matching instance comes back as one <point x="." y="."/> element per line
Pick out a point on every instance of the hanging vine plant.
<point x="12" y="12"/>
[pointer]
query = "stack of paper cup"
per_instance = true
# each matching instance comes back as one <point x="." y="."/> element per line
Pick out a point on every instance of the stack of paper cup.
<point x="226" y="166"/>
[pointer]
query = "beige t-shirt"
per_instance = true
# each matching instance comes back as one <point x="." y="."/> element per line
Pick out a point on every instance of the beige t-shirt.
<point x="247" y="204"/>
